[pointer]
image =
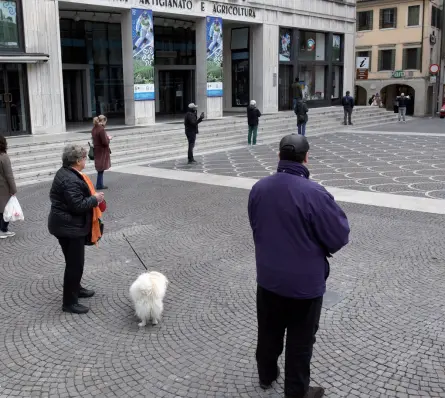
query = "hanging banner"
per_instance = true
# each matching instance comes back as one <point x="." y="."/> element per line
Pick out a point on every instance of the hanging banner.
<point x="214" y="57"/>
<point x="143" y="54"/>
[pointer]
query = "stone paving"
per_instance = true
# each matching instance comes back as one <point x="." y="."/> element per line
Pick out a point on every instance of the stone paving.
<point x="397" y="164"/>
<point x="383" y="336"/>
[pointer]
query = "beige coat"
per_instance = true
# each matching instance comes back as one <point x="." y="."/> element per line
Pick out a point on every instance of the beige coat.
<point x="7" y="183"/>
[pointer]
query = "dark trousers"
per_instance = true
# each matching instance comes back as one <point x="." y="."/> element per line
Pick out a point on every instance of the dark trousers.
<point x="100" y="180"/>
<point x="74" y="251"/>
<point x="301" y="318"/>
<point x="3" y="224"/>
<point x="348" y="114"/>
<point x="191" y="139"/>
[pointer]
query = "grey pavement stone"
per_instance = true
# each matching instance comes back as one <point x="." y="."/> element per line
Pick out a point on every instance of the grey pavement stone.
<point x="380" y="331"/>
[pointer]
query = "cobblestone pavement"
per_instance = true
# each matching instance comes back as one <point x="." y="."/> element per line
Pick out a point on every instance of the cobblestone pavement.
<point x="411" y="165"/>
<point x="383" y="334"/>
<point x="421" y="124"/>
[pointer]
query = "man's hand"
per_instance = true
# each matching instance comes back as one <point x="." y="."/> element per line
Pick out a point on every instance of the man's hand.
<point x="202" y="115"/>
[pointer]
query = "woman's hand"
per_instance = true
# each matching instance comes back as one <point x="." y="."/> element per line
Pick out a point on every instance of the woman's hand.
<point x="110" y="137"/>
<point x="99" y="196"/>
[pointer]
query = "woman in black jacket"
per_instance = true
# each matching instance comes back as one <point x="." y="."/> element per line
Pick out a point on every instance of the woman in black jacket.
<point x="70" y="221"/>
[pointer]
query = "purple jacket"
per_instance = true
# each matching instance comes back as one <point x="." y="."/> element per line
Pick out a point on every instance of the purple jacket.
<point x="296" y="224"/>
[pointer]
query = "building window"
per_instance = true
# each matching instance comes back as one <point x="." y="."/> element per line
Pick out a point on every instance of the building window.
<point x="312" y="46"/>
<point x="312" y="81"/>
<point x="387" y="60"/>
<point x="388" y="18"/>
<point x="411" y="58"/>
<point x="365" y="20"/>
<point x="9" y="27"/>
<point x="239" y="46"/>
<point x="413" y="15"/>
<point x="435" y="17"/>
<point x="366" y="54"/>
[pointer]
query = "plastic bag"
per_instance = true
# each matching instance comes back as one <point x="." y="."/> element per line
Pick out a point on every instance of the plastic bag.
<point x="13" y="211"/>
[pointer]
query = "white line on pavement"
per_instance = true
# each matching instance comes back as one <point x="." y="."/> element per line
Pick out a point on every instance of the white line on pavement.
<point x="425" y="205"/>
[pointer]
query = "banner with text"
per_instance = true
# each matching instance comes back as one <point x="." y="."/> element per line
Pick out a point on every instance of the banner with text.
<point x="143" y="54"/>
<point x="214" y="57"/>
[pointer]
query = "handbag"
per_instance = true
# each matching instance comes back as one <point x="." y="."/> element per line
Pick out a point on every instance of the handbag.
<point x="91" y="152"/>
<point x="88" y="237"/>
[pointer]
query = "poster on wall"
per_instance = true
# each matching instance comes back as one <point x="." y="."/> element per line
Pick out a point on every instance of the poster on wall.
<point x="214" y="29"/>
<point x="143" y="54"/>
<point x="336" y="48"/>
<point x="285" y="46"/>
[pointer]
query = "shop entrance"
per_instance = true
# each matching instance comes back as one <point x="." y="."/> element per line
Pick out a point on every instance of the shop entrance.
<point x="176" y="90"/>
<point x="12" y="99"/>
<point x="73" y="95"/>
<point x="285" y="88"/>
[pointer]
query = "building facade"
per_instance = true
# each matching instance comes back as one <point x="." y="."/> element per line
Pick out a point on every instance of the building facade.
<point x="64" y="62"/>
<point x="401" y="40"/>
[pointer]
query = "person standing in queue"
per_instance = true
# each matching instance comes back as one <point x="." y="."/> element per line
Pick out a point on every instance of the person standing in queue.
<point x="296" y="225"/>
<point x="191" y="122"/>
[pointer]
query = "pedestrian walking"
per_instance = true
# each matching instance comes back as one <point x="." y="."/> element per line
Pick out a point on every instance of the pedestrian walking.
<point x="102" y="152"/>
<point x="402" y="102"/>
<point x="348" y="105"/>
<point x="7" y="187"/>
<point x="296" y="92"/>
<point x="296" y="225"/>
<point x="301" y="111"/>
<point x="191" y="122"/>
<point x="74" y="220"/>
<point x="253" y="115"/>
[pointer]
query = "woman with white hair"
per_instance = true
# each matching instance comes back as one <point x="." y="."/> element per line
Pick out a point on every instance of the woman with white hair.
<point x="253" y="115"/>
<point x="74" y="220"/>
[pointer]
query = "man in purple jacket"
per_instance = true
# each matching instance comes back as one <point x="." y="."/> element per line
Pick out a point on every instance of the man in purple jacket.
<point x="296" y="225"/>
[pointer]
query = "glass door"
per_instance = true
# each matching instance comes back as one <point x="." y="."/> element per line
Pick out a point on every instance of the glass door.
<point x="12" y="100"/>
<point x="285" y="87"/>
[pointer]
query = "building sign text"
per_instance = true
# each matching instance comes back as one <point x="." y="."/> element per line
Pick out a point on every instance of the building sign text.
<point x="181" y="4"/>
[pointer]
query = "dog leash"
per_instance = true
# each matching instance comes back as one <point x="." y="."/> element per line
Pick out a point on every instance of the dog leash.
<point x="134" y="251"/>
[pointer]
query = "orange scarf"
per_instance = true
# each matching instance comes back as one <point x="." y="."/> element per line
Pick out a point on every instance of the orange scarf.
<point x="97" y="214"/>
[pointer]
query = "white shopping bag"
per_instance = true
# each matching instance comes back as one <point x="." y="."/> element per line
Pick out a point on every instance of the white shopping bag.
<point x="13" y="211"/>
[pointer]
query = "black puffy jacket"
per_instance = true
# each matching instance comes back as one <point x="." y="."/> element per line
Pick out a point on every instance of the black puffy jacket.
<point x="253" y="114"/>
<point x="71" y="205"/>
<point x="191" y="122"/>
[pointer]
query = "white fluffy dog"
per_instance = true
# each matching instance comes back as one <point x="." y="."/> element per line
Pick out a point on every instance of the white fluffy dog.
<point x="147" y="293"/>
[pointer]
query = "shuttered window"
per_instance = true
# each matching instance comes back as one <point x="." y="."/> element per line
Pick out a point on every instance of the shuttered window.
<point x="365" y="20"/>
<point x="411" y="58"/>
<point x="387" y="60"/>
<point x="388" y="18"/>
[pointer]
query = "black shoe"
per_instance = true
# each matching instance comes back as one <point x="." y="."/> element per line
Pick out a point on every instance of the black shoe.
<point x="192" y="161"/>
<point x="75" y="309"/>
<point x="101" y="189"/>
<point x="313" y="392"/>
<point x="267" y="386"/>
<point x="85" y="293"/>
<point x="351" y="124"/>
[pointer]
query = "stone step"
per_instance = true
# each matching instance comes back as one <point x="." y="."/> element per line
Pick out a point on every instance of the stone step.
<point x="42" y="171"/>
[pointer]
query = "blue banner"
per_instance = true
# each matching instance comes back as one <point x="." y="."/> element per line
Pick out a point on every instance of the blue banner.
<point x="143" y="54"/>
<point x="214" y="30"/>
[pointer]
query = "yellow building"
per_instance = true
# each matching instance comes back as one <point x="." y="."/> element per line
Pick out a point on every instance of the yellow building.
<point x="400" y="39"/>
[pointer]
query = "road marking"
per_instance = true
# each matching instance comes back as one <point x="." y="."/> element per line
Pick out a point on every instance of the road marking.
<point x="425" y="205"/>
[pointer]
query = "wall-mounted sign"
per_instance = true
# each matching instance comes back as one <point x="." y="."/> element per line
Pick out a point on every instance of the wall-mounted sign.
<point x="143" y="54"/>
<point x="310" y="45"/>
<point x="214" y="29"/>
<point x="433" y="79"/>
<point x="181" y="4"/>
<point x="398" y="74"/>
<point x="434" y="68"/>
<point x="362" y="62"/>
<point x="285" y="45"/>
<point x="361" y="74"/>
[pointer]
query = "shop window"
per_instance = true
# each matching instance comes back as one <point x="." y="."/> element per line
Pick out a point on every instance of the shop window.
<point x="387" y="60"/>
<point x="337" y="81"/>
<point x="388" y="18"/>
<point x="285" y="45"/>
<point x="9" y="26"/>
<point x="413" y="15"/>
<point x="365" y="20"/>
<point x="411" y="58"/>
<point x="337" y="48"/>
<point x="312" y="81"/>
<point x="312" y="46"/>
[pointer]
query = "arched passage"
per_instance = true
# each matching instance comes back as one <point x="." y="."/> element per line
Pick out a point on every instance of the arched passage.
<point x="390" y="93"/>
<point x="360" y="96"/>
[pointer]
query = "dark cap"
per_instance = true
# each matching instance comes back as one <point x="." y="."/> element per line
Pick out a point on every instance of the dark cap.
<point x="294" y="142"/>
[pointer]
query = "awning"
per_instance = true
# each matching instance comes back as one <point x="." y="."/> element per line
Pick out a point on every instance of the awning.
<point x="23" y="58"/>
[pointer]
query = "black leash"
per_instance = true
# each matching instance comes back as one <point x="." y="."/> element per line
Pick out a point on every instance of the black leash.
<point x="134" y="251"/>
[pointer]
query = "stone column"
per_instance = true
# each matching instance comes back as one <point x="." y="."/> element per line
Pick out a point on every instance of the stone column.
<point x="349" y="63"/>
<point x="265" y="67"/>
<point x="212" y="106"/>
<point x="136" y="112"/>
<point x="45" y="81"/>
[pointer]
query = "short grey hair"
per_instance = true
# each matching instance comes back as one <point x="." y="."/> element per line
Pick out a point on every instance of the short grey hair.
<point x="73" y="153"/>
<point x="253" y="102"/>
